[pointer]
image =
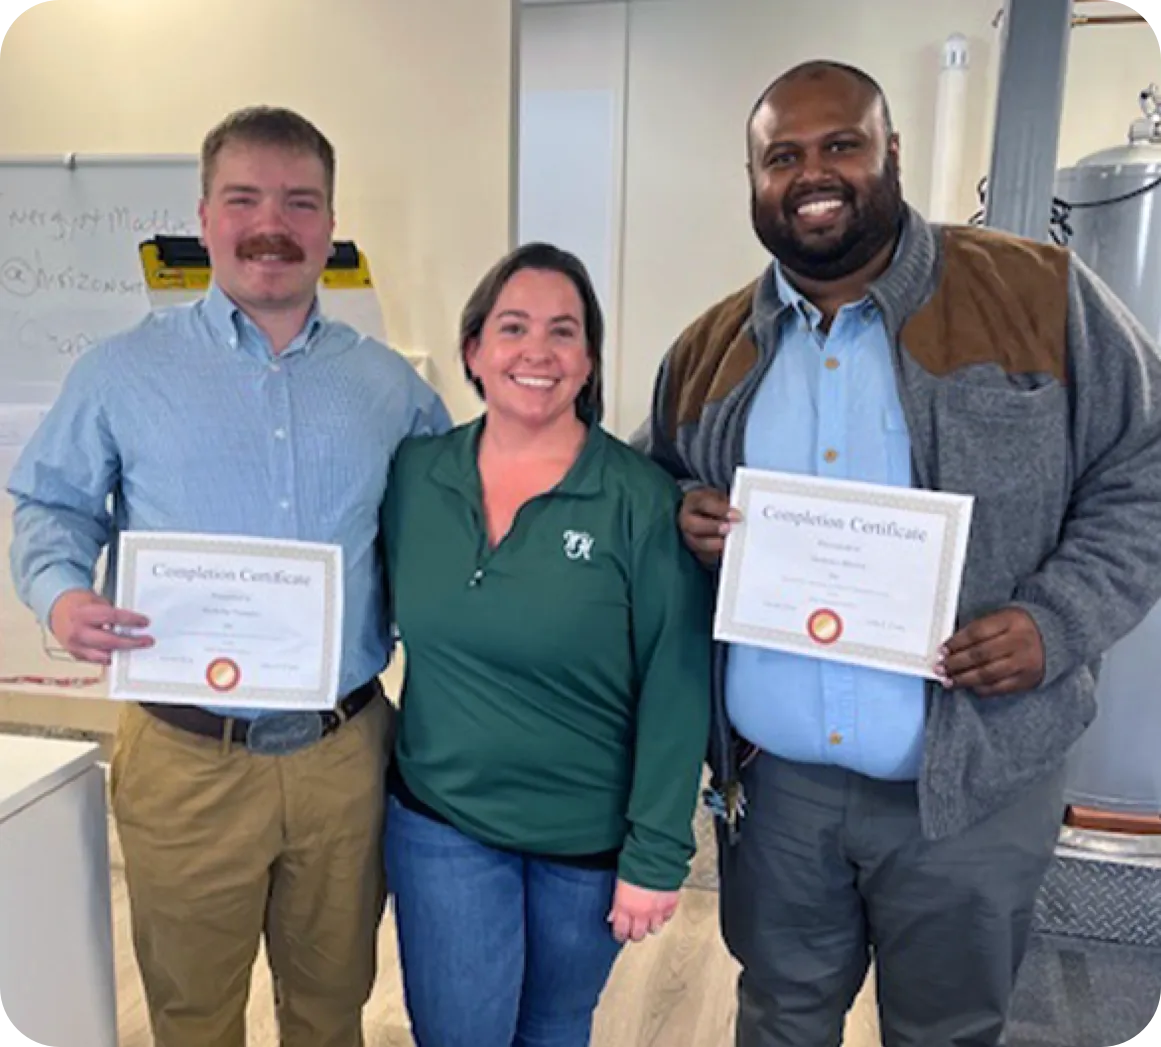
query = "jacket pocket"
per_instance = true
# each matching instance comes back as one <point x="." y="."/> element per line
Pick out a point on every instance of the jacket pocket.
<point x="1008" y="448"/>
<point x="1004" y="442"/>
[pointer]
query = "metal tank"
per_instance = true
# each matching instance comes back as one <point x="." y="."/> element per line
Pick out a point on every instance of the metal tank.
<point x="1108" y="210"/>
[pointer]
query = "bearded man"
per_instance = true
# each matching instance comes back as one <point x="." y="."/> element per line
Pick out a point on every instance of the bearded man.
<point x="870" y="814"/>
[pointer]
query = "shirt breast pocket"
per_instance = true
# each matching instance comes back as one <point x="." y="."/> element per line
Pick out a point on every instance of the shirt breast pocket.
<point x="897" y="445"/>
<point x="1005" y="440"/>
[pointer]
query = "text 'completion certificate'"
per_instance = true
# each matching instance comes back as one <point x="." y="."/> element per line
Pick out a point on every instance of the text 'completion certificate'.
<point x="251" y="622"/>
<point x="846" y="571"/>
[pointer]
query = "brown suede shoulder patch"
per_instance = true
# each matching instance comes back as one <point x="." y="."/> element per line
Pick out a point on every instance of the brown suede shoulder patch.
<point x="1000" y="300"/>
<point x="710" y="357"/>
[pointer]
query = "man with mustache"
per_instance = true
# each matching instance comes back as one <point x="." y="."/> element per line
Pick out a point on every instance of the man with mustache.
<point x="870" y="814"/>
<point x="248" y="413"/>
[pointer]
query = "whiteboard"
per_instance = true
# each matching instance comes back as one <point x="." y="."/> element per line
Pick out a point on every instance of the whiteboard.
<point x="70" y="272"/>
<point x="70" y="276"/>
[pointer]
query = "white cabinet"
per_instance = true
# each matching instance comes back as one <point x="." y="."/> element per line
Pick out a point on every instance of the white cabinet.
<point x="56" y="940"/>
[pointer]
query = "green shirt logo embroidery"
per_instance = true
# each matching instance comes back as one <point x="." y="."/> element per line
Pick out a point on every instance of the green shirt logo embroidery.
<point x="578" y="545"/>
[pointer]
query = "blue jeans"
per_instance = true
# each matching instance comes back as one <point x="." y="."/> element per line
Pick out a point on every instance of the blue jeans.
<point x="498" y="950"/>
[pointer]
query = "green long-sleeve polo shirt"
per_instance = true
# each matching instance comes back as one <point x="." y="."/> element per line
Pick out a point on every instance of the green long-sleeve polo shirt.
<point x="556" y="694"/>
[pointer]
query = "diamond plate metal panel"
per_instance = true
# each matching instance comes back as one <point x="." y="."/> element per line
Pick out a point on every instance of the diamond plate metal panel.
<point x="1103" y="901"/>
<point x="1077" y="993"/>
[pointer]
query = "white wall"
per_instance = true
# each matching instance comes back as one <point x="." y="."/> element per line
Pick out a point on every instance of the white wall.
<point x="572" y="70"/>
<point x="694" y="68"/>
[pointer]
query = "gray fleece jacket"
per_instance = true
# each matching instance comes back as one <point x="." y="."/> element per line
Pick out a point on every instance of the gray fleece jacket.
<point x="1025" y="383"/>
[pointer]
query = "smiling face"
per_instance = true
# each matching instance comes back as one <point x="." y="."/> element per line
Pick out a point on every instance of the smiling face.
<point x="267" y="225"/>
<point x="532" y="355"/>
<point x="824" y="172"/>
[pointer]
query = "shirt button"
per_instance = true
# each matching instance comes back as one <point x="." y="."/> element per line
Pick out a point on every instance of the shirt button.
<point x="831" y="455"/>
<point x="276" y="367"/>
<point x="284" y="504"/>
<point x="831" y="363"/>
<point x="835" y="738"/>
<point x="280" y="434"/>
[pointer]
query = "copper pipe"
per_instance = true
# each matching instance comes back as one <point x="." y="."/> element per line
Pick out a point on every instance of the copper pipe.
<point x="1079" y="21"/>
<point x="1113" y="821"/>
<point x="1083" y="20"/>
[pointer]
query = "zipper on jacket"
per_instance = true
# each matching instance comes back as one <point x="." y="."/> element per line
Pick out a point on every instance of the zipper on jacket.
<point x="485" y="554"/>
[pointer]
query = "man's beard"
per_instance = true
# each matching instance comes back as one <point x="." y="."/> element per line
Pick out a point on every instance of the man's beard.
<point x="873" y="225"/>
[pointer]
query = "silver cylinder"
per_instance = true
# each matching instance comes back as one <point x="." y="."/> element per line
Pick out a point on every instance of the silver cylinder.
<point x="1120" y="241"/>
<point x="1117" y="764"/>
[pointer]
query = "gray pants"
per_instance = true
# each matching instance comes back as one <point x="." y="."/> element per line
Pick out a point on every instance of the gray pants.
<point x="831" y="870"/>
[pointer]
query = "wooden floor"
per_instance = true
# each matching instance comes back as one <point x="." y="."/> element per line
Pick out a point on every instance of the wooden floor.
<point x="674" y="990"/>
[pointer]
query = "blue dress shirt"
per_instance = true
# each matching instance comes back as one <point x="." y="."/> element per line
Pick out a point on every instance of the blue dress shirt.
<point x="192" y="423"/>
<point x="829" y="406"/>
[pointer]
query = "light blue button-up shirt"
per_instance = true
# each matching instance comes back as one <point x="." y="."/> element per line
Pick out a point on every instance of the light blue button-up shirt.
<point x="829" y="406"/>
<point x="192" y="423"/>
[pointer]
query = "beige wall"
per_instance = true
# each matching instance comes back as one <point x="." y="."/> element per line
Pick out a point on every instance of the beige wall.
<point x="1107" y="67"/>
<point x="416" y="95"/>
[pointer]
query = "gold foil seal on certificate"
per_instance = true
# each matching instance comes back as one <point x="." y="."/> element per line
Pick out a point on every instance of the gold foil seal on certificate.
<point x="824" y="626"/>
<point x="223" y="674"/>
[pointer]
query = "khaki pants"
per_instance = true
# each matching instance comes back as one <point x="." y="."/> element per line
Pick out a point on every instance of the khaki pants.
<point x="223" y="847"/>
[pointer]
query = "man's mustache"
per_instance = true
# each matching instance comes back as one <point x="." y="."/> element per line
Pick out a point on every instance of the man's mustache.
<point x="281" y="247"/>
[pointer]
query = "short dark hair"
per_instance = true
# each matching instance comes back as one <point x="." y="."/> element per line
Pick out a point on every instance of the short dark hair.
<point x="815" y="69"/>
<point x="545" y="258"/>
<point x="268" y="125"/>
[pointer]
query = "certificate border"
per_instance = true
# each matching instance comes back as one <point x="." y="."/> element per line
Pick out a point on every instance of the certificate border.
<point x="275" y="698"/>
<point x="956" y="512"/>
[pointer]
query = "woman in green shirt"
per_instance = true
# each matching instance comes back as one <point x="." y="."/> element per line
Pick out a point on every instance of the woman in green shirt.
<point x="556" y="702"/>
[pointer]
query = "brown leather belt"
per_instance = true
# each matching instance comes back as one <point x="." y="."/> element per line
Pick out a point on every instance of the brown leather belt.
<point x="314" y="725"/>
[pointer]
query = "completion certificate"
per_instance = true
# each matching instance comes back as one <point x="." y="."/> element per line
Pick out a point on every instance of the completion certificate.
<point x="255" y="623"/>
<point x="846" y="571"/>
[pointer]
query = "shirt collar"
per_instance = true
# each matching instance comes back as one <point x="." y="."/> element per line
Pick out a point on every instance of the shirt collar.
<point x="458" y="468"/>
<point x="230" y="323"/>
<point x="792" y="297"/>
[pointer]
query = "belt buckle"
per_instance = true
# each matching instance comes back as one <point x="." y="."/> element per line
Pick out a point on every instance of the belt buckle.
<point x="281" y="733"/>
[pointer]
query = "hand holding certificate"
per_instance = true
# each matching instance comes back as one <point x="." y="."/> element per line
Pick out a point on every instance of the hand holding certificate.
<point x="846" y="571"/>
<point x="237" y="621"/>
